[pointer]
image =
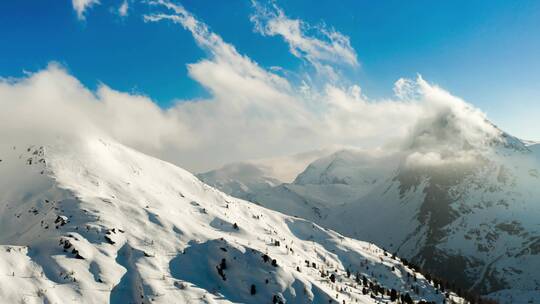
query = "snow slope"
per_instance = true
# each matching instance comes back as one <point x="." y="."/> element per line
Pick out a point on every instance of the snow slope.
<point x="91" y="221"/>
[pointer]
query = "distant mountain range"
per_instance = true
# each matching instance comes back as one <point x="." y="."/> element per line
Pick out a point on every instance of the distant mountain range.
<point x="460" y="198"/>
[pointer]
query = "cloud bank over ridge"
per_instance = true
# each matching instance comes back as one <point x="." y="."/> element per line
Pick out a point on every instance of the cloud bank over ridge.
<point x="252" y="112"/>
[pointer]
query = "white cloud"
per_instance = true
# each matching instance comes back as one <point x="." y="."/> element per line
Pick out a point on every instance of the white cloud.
<point x="52" y="102"/>
<point x="123" y="9"/>
<point x="80" y="6"/>
<point x="330" y="48"/>
<point x="252" y="112"/>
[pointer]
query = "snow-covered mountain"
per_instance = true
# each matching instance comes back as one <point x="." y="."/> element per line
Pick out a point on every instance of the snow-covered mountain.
<point x="338" y="178"/>
<point x="242" y="179"/>
<point x="461" y="199"/>
<point x="92" y="221"/>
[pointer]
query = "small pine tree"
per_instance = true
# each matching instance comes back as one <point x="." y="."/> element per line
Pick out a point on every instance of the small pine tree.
<point x="393" y="295"/>
<point x="223" y="264"/>
<point x="407" y="299"/>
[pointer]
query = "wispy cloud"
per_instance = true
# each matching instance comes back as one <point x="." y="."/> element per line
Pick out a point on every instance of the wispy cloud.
<point x="80" y="6"/>
<point x="326" y="47"/>
<point x="123" y="9"/>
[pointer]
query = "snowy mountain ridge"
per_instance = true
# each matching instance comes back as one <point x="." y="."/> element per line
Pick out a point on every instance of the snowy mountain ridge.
<point x="91" y="221"/>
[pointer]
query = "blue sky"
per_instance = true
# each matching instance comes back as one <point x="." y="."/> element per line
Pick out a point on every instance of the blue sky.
<point x="487" y="52"/>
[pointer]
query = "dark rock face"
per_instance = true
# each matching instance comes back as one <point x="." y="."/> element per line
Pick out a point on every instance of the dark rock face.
<point x="436" y="212"/>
